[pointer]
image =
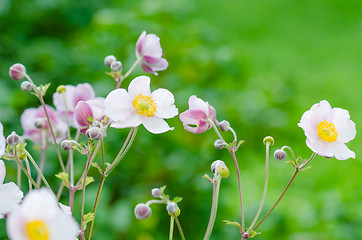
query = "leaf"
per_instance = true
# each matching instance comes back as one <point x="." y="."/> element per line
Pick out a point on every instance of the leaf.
<point x="177" y="199"/>
<point x="88" y="180"/>
<point x="252" y="233"/>
<point x="89" y="217"/>
<point x="64" y="177"/>
<point x="234" y="224"/>
<point x="240" y="142"/>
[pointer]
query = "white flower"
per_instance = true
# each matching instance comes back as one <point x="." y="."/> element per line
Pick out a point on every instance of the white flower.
<point x="40" y="217"/>
<point x="10" y="194"/>
<point x="2" y="140"/>
<point x="140" y="106"/>
<point x="327" y="130"/>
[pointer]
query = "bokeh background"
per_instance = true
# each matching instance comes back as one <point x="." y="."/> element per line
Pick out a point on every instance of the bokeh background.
<point x="261" y="64"/>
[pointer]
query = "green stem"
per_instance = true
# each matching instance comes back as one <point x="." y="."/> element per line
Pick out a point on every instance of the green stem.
<point x="29" y="171"/>
<point x="172" y="220"/>
<point x="179" y="227"/>
<point x="38" y="169"/>
<point x="83" y="190"/>
<point x="215" y="199"/>
<point x="26" y="173"/>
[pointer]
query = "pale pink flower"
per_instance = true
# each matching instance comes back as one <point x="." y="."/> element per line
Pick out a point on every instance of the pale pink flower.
<point x="327" y="130"/>
<point x="149" y="49"/>
<point x="86" y="112"/>
<point x="2" y="140"/>
<point x="10" y="194"/>
<point x="36" y="127"/>
<point x="73" y="94"/>
<point x="140" y="106"/>
<point x="199" y="117"/>
<point x="40" y="217"/>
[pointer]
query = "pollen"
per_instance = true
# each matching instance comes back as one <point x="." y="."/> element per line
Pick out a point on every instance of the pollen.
<point x="37" y="230"/>
<point x="144" y="105"/>
<point x="327" y="131"/>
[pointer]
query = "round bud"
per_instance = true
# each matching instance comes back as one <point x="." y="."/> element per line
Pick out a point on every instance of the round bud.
<point x="66" y="145"/>
<point x="142" y="211"/>
<point x="224" y="125"/>
<point x="116" y="66"/>
<point x="97" y="124"/>
<point x="216" y="164"/>
<point x="13" y="139"/>
<point x="172" y="207"/>
<point x="268" y="140"/>
<point x="26" y="86"/>
<point x="109" y="60"/>
<point x="223" y="171"/>
<point x="219" y="144"/>
<point x="177" y="213"/>
<point x="280" y="155"/>
<point x="94" y="133"/>
<point x="17" y="71"/>
<point x="40" y="123"/>
<point x="61" y="89"/>
<point x="156" y="192"/>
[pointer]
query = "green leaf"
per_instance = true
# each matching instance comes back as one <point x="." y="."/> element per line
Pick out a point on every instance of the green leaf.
<point x="234" y="224"/>
<point x="252" y="233"/>
<point x="240" y="142"/>
<point x="177" y="199"/>
<point x="64" y="177"/>
<point x="89" y="217"/>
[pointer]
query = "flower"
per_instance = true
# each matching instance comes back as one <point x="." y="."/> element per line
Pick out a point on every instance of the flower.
<point x="86" y="112"/>
<point x="149" y="49"/>
<point x="36" y="127"/>
<point x="10" y="194"/>
<point x="2" y="140"/>
<point x="40" y="217"/>
<point x="200" y="115"/>
<point x="73" y="94"/>
<point x="140" y="106"/>
<point x="327" y="130"/>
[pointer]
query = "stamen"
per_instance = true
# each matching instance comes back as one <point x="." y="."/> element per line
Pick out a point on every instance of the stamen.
<point x="144" y="105"/>
<point x="37" y="230"/>
<point x="327" y="131"/>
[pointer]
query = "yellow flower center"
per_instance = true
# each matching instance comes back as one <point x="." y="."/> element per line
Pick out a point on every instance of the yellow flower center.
<point x="327" y="131"/>
<point x="144" y="105"/>
<point x="37" y="230"/>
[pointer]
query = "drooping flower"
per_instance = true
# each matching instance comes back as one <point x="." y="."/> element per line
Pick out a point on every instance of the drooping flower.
<point x="73" y="94"/>
<point x="86" y="112"/>
<point x="40" y="217"/>
<point x="36" y="127"/>
<point x="140" y="106"/>
<point x="10" y="194"/>
<point x="2" y="140"/>
<point x="148" y="48"/>
<point x="199" y="117"/>
<point x="327" y="130"/>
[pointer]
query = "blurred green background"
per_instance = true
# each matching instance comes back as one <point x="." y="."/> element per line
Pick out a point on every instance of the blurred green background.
<point x="261" y="64"/>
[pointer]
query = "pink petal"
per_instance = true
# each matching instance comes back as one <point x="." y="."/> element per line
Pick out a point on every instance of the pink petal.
<point x="202" y="127"/>
<point x="192" y="116"/>
<point x="81" y="114"/>
<point x="147" y="69"/>
<point x="2" y="140"/>
<point x="152" y="46"/>
<point x="140" y="43"/>
<point x="83" y="92"/>
<point x="158" y="64"/>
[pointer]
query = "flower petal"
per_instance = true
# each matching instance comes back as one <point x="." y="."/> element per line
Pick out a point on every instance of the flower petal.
<point x="152" y="46"/>
<point x="10" y="195"/>
<point x="132" y="120"/>
<point x="2" y="140"/>
<point x="342" y="152"/>
<point x="345" y="127"/>
<point x="165" y="103"/>
<point x="139" y="85"/>
<point x="118" y="105"/>
<point x="2" y="171"/>
<point x="83" y="92"/>
<point x="155" y="125"/>
<point x="140" y="43"/>
<point x="82" y="112"/>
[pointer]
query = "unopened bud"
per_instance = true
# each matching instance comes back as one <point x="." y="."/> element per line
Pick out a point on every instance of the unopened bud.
<point x="109" y="60"/>
<point x="177" y="213"/>
<point x="219" y="144"/>
<point x="116" y="66"/>
<point x="142" y="211"/>
<point x="61" y="89"/>
<point x="40" y="123"/>
<point x="97" y="124"/>
<point x="26" y="86"/>
<point x="223" y="171"/>
<point x="280" y="155"/>
<point x="216" y="164"/>
<point x="172" y="207"/>
<point x="13" y="139"/>
<point x="66" y="145"/>
<point x="268" y="140"/>
<point x="224" y="126"/>
<point x="17" y="71"/>
<point x="156" y="192"/>
<point x="94" y="133"/>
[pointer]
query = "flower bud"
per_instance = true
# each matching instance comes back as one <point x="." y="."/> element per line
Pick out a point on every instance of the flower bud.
<point x="109" y="60"/>
<point x="280" y="155"/>
<point x="142" y="211"/>
<point x="116" y="66"/>
<point x="172" y="207"/>
<point x="40" y="123"/>
<point x="224" y="125"/>
<point x="94" y="133"/>
<point x="156" y="192"/>
<point x="219" y="144"/>
<point x="13" y="139"/>
<point x="66" y="145"/>
<point x="61" y="89"/>
<point x="216" y="164"/>
<point x="17" y="71"/>
<point x="268" y="140"/>
<point x="97" y="124"/>
<point x="26" y="86"/>
<point x="177" y="213"/>
<point x="223" y="171"/>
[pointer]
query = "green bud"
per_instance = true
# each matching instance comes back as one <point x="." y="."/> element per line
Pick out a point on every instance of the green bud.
<point x="268" y="140"/>
<point x="223" y="171"/>
<point x="61" y="89"/>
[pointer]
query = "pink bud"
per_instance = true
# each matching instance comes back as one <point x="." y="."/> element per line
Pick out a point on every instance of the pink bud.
<point x="156" y="192"/>
<point x="17" y="71"/>
<point x="142" y="211"/>
<point x="280" y="154"/>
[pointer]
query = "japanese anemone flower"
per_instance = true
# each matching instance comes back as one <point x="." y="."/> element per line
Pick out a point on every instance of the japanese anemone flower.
<point x="327" y="130"/>
<point x="140" y="106"/>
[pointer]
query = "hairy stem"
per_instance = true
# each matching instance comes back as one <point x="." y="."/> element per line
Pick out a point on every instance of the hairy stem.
<point x="215" y="198"/>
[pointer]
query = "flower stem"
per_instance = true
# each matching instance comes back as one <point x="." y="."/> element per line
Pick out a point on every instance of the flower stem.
<point x="42" y="163"/>
<point x="29" y="171"/>
<point x="179" y="227"/>
<point x="37" y="169"/>
<point x="26" y="172"/>
<point x="172" y="220"/>
<point x="131" y="69"/>
<point x="83" y="189"/>
<point x="265" y="185"/>
<point x="215" y="198"/>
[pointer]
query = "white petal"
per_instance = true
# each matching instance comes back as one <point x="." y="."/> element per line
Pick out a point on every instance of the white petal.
<point x="118" y="105"/>
<point x="2" y="171"/>
<point x="63" y="227"/>
<point x="165" y="103"/>
<point x="152" y="46"/>
<point x="320" y="111"/>
<point x="2" y="140"/>
<point x="58" y="99"/>
<point x="197" y="103"/>
<point x="132" y="120"/>
<point x="155" y="125"/>
<point x="139" y="85"/>
<point x="342" y="152"/>
<point x="10" y="195"/>
<point x="321" y="147"/>
<point x="345" y="127"/>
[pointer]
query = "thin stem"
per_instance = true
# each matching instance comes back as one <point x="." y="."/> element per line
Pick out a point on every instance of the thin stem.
<point x="179" y="227"/>
<point x="216" y="130"/>
<point x="26" y="172"/>
<point x="215" y="198"/>
<point x="83" y="190"/>
<point x="42" y="163"/>
<point x="18" y="179"/>
<point x="131" y="69"/>
<point x="29" y="171"/>
<point x="232" y="152"/>
<point x="125" y="143"/>
<point x="308" y="161"/>
<point x="72" y="191"/>
<point x="102" y="152"/>
<point x="290" y="150"/>
<point x="37" y="169"/>
<point x="234" y="134"/>
<point x="154" y="201"/>
<point x="172" y="220"/>
<point x="265" y="185"/>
